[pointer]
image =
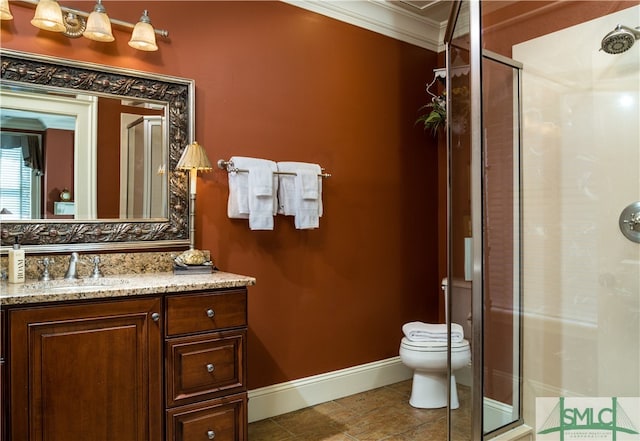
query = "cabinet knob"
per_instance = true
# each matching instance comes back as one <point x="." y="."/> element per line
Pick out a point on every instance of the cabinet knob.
<point x="210" y="367"/>
<point x="210" y="313"/>
<point x="155" y="316"/>
<point x="211" y="434"/>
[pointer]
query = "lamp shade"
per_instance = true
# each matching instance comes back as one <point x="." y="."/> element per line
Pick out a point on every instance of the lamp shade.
<point x="98" y="25"/>
<point x="194" y="157"/>
<point x="143" y="36"/>
<point x="5" y="12"/>
<point x="48" y="16"/>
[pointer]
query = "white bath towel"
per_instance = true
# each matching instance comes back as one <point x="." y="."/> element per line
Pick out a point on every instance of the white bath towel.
<point x="252" y="195"/>
<point x="300" y="195"/>
<point x="419" y="331"/>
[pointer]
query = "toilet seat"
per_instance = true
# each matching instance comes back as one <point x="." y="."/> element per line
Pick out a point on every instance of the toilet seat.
<point x="433" y="346"/>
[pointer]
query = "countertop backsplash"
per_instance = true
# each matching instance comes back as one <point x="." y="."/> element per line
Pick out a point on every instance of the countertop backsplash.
<point x="111" y="264"/>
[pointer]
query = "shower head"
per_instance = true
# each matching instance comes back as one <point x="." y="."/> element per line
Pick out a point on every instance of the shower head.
<point x="619" y="40"/>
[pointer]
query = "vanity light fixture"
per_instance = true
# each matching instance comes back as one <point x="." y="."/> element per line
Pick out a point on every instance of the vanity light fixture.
<point x="143" y="38"/>
<point x="194" y="159"/>
<point x="96" y="25"/>
<point x="5" y="11"/>
<point x="48" y="16"/>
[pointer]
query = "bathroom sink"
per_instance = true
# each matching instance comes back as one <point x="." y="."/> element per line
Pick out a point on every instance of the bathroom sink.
<point x="74" y="284"/>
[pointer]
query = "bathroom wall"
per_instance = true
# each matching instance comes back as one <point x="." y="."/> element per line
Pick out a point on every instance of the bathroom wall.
<point x="58" y="159"/>
<point x="108" y="156"/>
<point x="282" y="83"/>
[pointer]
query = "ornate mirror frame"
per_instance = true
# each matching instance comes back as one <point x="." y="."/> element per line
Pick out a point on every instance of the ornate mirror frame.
<point x="68" y="76"/>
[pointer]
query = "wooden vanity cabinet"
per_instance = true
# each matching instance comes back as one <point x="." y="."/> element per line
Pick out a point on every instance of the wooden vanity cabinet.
<point x="205" y="367"/>
<point x="3" y="370"/>
<point x="171" y="366"/>
<point x="90" y="371"/>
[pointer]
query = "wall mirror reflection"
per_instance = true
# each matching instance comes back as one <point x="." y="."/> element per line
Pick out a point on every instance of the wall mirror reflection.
<point x="50" y="150"/>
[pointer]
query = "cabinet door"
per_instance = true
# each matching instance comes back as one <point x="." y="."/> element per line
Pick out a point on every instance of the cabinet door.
<point x="87" y="372"/>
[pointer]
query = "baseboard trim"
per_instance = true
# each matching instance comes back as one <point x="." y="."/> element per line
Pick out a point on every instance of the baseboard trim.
<point x="496" y="414"/>
<point x="270" y="401"/>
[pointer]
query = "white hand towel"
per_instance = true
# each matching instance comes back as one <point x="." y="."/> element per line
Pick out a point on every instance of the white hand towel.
<point x="309" y="182"/>
<point x="292" y="191"/>
<point x="306" y="216"/>
<point x="261" y="196"/>
<point x="252" y="194"/>
<point x="419" y="331"/>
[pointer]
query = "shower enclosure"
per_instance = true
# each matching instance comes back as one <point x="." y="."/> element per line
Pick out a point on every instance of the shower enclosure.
<point x="544" y="175"/>
<point x="143" y="169"/>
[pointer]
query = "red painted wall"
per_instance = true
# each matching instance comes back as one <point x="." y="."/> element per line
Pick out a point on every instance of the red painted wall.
<point x="108" y="159"/>
<point x="108" y="154"/>
<point x="58" y="169"/>
<point x="278" y="82"/>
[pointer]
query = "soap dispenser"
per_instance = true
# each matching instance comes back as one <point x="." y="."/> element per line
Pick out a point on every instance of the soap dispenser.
<point x="16" y="264"/>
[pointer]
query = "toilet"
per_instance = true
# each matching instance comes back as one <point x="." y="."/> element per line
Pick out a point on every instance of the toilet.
<point x="429" y="363"/>
<point x="428" y="359"/>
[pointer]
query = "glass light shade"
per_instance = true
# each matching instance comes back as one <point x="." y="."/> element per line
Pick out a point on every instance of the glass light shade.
<point x="143" y="37"/>
<point x="98" y="25"/>
<point x="48" y="16"/>
<point x="5" y="12"/>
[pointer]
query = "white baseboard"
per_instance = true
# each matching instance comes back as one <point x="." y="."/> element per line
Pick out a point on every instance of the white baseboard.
<point x="286" y="397"/>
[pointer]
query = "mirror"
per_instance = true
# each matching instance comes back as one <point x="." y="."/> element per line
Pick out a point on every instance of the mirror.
<point x="131" y="182"/>
<point x="78" y="115"/>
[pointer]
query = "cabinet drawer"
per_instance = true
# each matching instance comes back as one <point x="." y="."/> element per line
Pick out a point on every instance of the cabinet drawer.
<point x="219" y="420"/>
<point x="202" y="312"/>
<point x="205" y="366"/>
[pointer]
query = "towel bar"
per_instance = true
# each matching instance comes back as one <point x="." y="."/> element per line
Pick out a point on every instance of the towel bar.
<point x="230" y="168"/>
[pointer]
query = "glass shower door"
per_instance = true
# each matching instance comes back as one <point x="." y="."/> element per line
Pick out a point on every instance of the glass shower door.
<point x="501" y="323"/>
<point x="459" y="215"/>
<point x="484" y="227"/>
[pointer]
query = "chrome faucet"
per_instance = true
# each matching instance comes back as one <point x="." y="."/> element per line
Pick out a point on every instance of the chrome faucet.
<point x="72" y="271"/>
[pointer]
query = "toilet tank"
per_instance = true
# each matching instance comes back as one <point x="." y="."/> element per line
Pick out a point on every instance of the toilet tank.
<point x="460" y="292"/>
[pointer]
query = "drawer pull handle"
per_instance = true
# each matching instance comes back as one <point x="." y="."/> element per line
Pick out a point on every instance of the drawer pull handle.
<point x="155" y="316"/>
<point x="211" y="434"/>
<point x="210" y="313"/>
<point x="210" y="367"/>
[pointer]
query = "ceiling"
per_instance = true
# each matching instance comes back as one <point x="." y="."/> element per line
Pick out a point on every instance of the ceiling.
<point x="20" y="119"/>
<point x="422" y="23"/>
<point x="434" y="9"/>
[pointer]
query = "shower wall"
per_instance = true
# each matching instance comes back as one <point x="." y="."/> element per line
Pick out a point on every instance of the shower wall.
<point x="581" y="168"/>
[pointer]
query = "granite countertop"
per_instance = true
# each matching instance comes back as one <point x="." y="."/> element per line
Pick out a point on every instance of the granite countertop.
<point x="123" y="285"/>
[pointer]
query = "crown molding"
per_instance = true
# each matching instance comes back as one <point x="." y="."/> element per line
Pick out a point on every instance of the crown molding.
<point x="382" y="17"/>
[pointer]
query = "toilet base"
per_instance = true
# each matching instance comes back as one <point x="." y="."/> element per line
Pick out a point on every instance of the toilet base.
<point x="429" y="391"/>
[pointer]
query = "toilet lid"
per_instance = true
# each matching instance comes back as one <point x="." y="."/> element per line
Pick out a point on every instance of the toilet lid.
<point x="434" y="345"/>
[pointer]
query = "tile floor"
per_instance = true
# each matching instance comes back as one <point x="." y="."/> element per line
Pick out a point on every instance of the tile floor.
<point x="375" y="415"/>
